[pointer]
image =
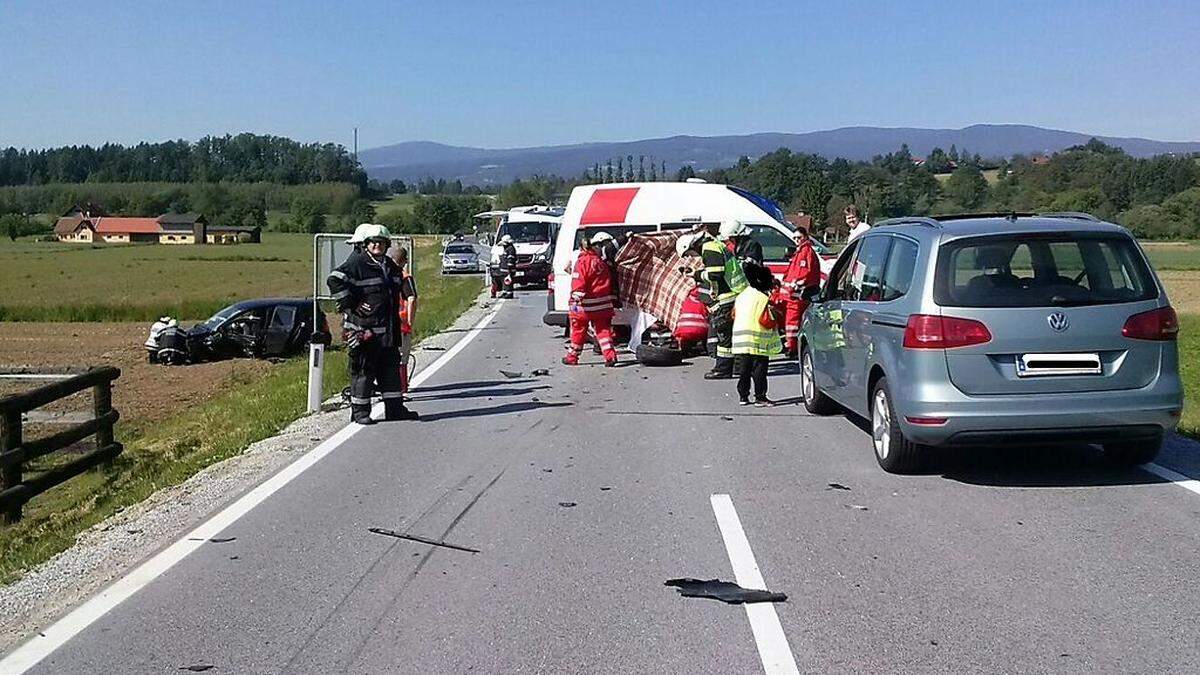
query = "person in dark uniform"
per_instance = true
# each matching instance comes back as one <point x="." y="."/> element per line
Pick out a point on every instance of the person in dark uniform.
<point x="508" y="266"/>
<point x="367" y="290"/>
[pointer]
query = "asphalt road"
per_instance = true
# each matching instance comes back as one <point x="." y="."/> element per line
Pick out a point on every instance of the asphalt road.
<point x="1015" y="561"/>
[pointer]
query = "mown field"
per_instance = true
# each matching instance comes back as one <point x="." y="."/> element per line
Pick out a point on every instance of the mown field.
<point x="235" y="403"/>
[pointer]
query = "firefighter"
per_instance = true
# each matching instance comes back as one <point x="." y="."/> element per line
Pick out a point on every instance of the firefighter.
<point x="507" y="266"/>
<point x="367" y="290"/>
<point x="803" y="272"/>
<point x="692" y="326"/>
<point x="723" y="280"/>
<point x="592" y="302"/>
<point x="408" y="312"/>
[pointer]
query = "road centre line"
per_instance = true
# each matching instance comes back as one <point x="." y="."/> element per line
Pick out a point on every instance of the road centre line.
<point x="57" y="634"/>
<point x="1185" y="482"/>
<point x="772" y="643"/>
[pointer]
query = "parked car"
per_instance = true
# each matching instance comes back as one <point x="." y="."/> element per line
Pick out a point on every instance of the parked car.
<point x="461" y="257"/>
<point x="993" y="330"/>
<point x="264" y="328"/>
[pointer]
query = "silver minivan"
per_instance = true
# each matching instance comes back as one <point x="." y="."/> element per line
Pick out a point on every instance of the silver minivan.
<point x="992" y="330"/>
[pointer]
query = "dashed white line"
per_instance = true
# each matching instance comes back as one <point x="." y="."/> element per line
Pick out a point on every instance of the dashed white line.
<point x="34" y="650"/>
<point x="1185" y="482"/>
<point x="773" y="646"/>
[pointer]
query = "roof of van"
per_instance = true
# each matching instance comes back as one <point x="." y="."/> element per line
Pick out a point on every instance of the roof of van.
<point x="660" y="202"/>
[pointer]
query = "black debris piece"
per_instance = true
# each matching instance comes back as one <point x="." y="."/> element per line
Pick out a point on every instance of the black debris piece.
<point x="606" y="488"/>
<point x="548" y="470"/>
<point x="567" y="505"/>
<point x="433" y="348"/>
<point x="234" y="557"/>
<point x="512" y="375"/>
<point x="540" y="372"/>
<point x="725" y="591"/>
<point x="423" y="540"/>
<point x="837" y="486"/>
<point x="214" y="540"/>
<point x="727" y="418"/>
<point x="198" y="667"/>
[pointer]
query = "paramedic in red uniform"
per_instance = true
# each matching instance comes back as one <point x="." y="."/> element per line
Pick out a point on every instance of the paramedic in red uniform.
<point x="804" y="271"/>
<point x="591" y="302"/>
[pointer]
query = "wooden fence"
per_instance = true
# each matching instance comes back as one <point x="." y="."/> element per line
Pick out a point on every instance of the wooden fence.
<point x="15" y="490"/>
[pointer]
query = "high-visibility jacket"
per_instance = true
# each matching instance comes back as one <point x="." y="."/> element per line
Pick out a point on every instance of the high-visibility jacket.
<point x="755" y="331"/>
<point x="693" y="319"/>
<point x="591" y="284"/>
<point x="722" y="272"/>
<point x="803" y="271"/>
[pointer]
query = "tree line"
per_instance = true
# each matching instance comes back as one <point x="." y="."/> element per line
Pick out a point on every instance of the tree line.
<point x="244" y="158"/>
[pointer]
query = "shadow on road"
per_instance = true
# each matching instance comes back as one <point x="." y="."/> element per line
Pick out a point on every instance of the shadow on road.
<point x="477" y="384"/>
<point x="1040" y="466"/>
<point x="482" y="393"/>
<point x="523" y="406"/>
<point x="738" y="412"/>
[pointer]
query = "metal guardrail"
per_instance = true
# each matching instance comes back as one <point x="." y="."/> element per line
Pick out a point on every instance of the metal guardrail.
<point x="15" y="490"/>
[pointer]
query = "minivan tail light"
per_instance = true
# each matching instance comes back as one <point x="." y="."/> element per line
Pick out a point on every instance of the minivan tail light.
<point x="1158" y="324"/>
<point x="926" y="331"/>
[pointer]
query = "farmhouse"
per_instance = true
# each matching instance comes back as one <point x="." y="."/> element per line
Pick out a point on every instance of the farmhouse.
<point x="88" y="225"/>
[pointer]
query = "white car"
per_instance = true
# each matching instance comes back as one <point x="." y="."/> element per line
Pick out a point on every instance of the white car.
<point x="460" y="256"/>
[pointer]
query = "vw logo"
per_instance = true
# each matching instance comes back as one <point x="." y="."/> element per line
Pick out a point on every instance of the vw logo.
<point x="1058" y="321"/>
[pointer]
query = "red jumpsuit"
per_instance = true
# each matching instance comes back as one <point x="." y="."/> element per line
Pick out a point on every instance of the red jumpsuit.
<point x="591" y="302"/>
<point x="803" y="271"/>
<point x="693" y="320"/>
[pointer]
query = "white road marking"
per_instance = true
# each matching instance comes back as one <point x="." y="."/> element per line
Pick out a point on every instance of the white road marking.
<point x="53" y="637"/>
<point x="1185" y="482"/>
<point x="772" y="644"/>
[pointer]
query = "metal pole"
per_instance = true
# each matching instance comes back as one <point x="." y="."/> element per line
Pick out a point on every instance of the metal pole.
<point x="316" y="351"/>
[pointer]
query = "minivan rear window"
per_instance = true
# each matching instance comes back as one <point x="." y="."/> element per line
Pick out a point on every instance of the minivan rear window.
<point x="1042" y="270"/>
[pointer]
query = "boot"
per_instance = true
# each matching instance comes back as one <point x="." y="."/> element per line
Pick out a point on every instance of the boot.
<point x="361" y="414"/>
<point x="610" y="363"/>
<point x="571" y="359"/>
<point x="394" y="410"/>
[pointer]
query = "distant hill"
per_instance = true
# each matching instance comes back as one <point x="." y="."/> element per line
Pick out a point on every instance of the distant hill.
<point x="480" y="166"/>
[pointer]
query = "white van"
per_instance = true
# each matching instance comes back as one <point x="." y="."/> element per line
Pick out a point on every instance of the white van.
<point x="533" y="229"/>
<point x="628" y="208"/>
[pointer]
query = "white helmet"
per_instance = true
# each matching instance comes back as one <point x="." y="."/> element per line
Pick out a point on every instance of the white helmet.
<point x="731" y="228"/>
<point x="367" y="231"/>
<point x="600" y="238"/>
<point x="685" y="242"/>
<point x="506" y="239"/>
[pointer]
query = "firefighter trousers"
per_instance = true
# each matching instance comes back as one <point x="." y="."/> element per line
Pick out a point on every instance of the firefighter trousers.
<point x="791" y="324"/>
<point x="720" y="337"/>
<point x="374" y="368"/>
<point x="601" y="324"/>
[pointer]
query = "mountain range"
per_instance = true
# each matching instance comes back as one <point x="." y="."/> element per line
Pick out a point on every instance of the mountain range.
<point x="415" y="160"/>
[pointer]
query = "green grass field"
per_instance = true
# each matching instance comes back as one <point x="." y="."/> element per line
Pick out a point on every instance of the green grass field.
<point x="172" y="451"/>
<point x="106" y="282"/>
<point x="396" y="203"/>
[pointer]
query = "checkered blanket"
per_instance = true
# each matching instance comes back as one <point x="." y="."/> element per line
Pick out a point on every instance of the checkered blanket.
<point x="648" y="272"/>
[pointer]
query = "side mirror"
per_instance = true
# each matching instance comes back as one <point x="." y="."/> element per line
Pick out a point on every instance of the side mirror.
<point x="811" y="293"/>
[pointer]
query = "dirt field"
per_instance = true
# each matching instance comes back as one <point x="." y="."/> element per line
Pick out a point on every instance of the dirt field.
<point x="1184" y="290"/>
<point x="145" y="393"/>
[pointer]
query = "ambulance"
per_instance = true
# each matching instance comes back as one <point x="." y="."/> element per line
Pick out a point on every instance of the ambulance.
<point x="533" y="230"/>
<point x="622" y="209"/>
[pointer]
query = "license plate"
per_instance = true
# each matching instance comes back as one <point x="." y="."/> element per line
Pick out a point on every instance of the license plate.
<point x="1047" y="365"/>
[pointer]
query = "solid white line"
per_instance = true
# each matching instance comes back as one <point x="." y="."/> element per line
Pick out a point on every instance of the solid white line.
<point x="53" y="637"/>
<point x="772" y="644"/>
<point x="1185" y="482"/>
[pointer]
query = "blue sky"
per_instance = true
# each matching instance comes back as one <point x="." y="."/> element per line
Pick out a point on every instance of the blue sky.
<point x="505" y="74"/>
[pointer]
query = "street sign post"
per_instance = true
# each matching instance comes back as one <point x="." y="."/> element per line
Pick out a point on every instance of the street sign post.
<point x="330" y="251"/>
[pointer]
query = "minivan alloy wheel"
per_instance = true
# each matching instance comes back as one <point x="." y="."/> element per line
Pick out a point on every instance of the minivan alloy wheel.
<point x="807" y="386"/>
<point x="881" y="424"/>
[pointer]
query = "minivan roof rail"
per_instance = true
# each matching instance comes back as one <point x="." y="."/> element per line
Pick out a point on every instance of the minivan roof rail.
<point x="1078" y="215"/>
<point x="1011" y="215"/>
<point x="910" y="220"/>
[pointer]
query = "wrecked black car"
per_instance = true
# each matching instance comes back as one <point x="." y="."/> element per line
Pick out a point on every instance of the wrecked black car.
<point x="262" y="329"/>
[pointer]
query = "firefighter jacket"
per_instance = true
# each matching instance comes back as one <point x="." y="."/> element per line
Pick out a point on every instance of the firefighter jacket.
<point x="367" y="292"/>
<point x="722" y="273"/>
<point x="508" y="259"/>
<point x="803" y="271"/>
<point x="591" y="284"/>
<point x="755" y="329"/>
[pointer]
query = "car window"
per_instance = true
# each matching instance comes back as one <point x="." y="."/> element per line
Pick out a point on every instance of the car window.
<point x="284" y="317"/>
<point x="775" y="245"/>
<point x="835" y="286"/>
<point x="1042" y="270"/>
<point x="897" y="277"/>
<point x="619" y="232"/>
<point x="459" y="249"/>
<point x="865" y="281"/>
